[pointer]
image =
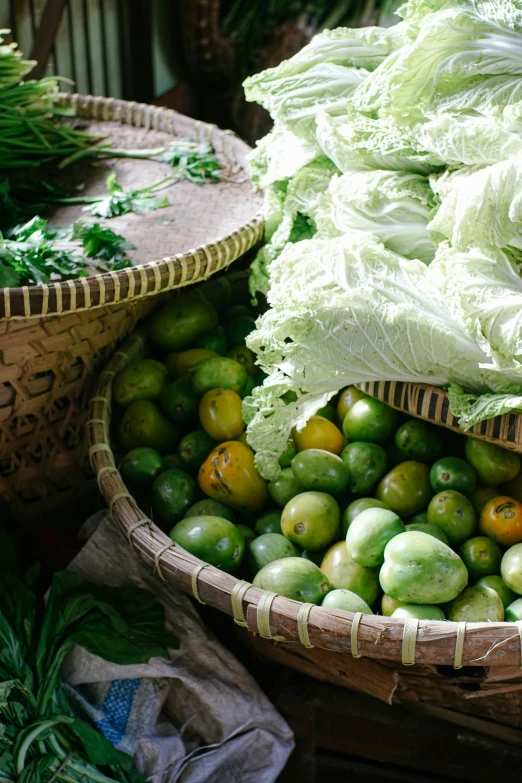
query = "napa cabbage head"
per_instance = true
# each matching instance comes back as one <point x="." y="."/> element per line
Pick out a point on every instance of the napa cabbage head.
<point x="348" y="310"/>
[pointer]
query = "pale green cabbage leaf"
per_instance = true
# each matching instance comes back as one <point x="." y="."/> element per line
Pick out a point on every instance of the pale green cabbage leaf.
<point x="394" y="206"/>
<point x="359" y="143"/>
<point x="345" y="311"/>
<point x="481" y="207"/>
<point x="482" y="288"/>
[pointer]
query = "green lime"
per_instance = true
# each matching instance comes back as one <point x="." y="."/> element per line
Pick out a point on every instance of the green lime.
<point x="140" y="467"/>
<point x="194" y="448"/>
<point x="481" y="555"/>
<point x="453" y="473"/>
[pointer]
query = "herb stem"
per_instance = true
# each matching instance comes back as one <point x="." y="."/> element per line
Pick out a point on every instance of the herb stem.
<point x="38" y="729"/>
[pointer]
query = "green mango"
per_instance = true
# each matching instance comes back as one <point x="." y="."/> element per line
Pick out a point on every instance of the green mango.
<point x="494" y="465"/>
<point x="177" y="325"/>
<point x="418" y="612"/>
<point x="369" y="534"/>
<point x="172" y="494"/>
<point x="219" y="372"/>
<point x="293" y="577"/>
<point x="476" y="604"/>
<point x="214" y="540"/>
<point x="420" y="569"/>
<point x="141" y="380"/>
<point x="514" y="611"/>
<point x="511" y="568"/>
<point x="267" y="548"/>
<point x="143" y="424"/>
<point x="346" y="600"/>
<point x="431" y="530"/>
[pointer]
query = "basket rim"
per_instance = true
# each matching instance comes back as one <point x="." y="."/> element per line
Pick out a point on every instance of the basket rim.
<point x="424" y="642"/>
<point x="127" y="285"/>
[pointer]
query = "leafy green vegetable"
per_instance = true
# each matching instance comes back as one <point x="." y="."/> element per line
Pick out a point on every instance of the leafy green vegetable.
<point x="40" y="739"/>
<point x="102" y="243"/>
<point x="345" y="311"/>
<point x="291" y="216"/>
<point x="429" y="144"/>
<point x="119" y="201"/>
<point x="29" y="131"/>
<point x="35" y="253"/>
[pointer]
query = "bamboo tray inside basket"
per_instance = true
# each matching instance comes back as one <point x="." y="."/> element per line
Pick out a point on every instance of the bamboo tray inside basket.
<point x="432" y="404"/>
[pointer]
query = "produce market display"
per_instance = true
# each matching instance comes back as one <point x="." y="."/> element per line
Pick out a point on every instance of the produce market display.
<point x="372" y="511"/>
<point x="392" y="216"/>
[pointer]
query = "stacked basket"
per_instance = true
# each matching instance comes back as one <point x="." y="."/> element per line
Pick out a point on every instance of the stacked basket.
<point x="53" y="337"/>
<point x="467" y="672"/>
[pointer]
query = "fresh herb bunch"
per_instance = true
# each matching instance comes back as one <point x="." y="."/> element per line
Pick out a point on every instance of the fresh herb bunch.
<point x="192" y="160"/>
<point x="40" y="739"/>
<point x="29" y="131"/>
<point x="34" y="253"/>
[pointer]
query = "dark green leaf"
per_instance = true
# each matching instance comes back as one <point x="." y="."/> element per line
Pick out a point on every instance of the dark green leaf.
<point x="99" y="750"/>
<point x="39" y="770"/>
<point x="123" y="625"/>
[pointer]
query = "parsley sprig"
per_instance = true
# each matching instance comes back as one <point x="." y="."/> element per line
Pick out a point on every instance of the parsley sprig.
<point x="35" y="253"/>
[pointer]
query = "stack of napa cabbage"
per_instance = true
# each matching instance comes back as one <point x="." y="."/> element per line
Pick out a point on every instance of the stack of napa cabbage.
<point x="393" y="180"/>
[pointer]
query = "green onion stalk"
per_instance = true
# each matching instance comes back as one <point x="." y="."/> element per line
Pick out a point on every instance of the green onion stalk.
<point x="30" y="131"/>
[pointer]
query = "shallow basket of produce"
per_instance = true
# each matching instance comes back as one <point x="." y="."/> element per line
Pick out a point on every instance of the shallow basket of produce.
<point x="171" y="194"/>
<point x="374" y="514"/>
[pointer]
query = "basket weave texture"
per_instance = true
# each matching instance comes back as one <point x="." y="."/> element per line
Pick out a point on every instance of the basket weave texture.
<point x="53" y="338"/>
<point x="201" y="211"/>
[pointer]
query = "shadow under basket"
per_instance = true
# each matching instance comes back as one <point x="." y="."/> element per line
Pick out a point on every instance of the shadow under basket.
<point x="54" y="338"/>
<point x="448" y="669"/>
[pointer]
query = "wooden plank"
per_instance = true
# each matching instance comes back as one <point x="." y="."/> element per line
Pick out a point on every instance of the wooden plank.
<point x="361" y="728"/>
<point x="362" y="675"/>
<point x="44" y="40"/>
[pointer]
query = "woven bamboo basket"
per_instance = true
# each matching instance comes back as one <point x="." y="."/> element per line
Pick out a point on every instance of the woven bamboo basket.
<point x="54" y="337"/>
<point x="472" y="669"/>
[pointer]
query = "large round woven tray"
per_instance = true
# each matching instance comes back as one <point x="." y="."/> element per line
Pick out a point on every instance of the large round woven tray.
<point x="205" y="228"/>
<point x="274" y="617"/>
<point x="53" y="338"/>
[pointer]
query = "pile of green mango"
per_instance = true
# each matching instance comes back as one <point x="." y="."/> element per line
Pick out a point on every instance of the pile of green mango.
<point x="372" y="511"/>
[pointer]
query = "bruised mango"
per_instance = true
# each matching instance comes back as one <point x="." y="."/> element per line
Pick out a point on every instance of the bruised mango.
<point x="179" y="364"/>
<point x="180" y="322"/>
<point x="218" y="372"/>
<point x="143" y="424"/>
<point x="142" y="380"/>
<point x="230" y="476"/>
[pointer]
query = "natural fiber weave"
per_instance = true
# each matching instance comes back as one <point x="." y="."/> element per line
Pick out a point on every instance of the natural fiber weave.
<point x="54" y="338"/>
<point x="436" y="643"/>
<point x="431" y="404"/>
<point x="224" y="216"/>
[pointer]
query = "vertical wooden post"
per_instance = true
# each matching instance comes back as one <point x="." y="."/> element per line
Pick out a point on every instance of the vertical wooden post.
<point x="135" y="27"/>
<point x="45" y="37"/>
